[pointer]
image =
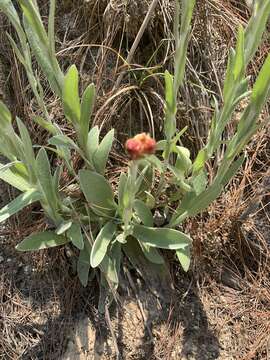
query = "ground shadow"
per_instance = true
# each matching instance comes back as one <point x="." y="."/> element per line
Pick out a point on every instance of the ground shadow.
<point x="143" y="309"/>
<point x="183" y="311"/>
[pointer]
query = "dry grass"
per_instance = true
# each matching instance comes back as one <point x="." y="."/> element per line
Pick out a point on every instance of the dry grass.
<point x="231" y="264"/>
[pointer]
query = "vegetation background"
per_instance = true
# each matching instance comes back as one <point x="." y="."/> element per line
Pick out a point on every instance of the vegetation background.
<point x="221" y="307"/>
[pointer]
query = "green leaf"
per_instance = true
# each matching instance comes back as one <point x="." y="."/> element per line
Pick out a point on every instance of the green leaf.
<point x="63" y="227"/>
<point x="28" y="153"/>
<point x="191" y="205"/>
<point x="19" y="203"/>
<point x="14" y="179"/>
<point x="63" y="140"/>
<point x="44" y="240"/>
<point x="45" y="124"/>
<point x="145" y="177"/>
<point x="101" y="243"/>
<point x="51" y="37"/>
<point x="75" y="235"/>
<point x="152" y="254"/>
<point x="228" y="82"/>
<point x="239" y="62"/>
<point x="5" y="167"/>
<point x="232" y="171"/>
<point x="87" y="105"/>
<point x="169" y="92"/>
<point x="122" y="194"/>
<point x="183" y="162"/>
<point x="199" y="182"/>
<point x="71" y="99"/>
<point x="255" y="28"/>
<point x="121" y="238"/>
<point x="83" y="264"/>
<point x="45" y="178"/>
<point x="92" y="142"/>
<point x="101" y="155"/>
<point x="150" y="200"/>
<point x="41" y="52"/>
<point x="261" y="88"/>
<point x="184" y="257"/>
<point x="116" y="256"/>
<point x="156" y="276"/>
<point x="31" y="12"/>
<point x="161" y="237"/>
<point x="143" y="213"/>
<point x="199" y="162"/>
<point x="170" y="122"/>
<point x="202" y="201"/>
<point x="108" y="267"/>
<point x="97" y="192"/>
<point x="154" y="160"/>
<point x="161" y="145"/>
<point x="5" y="116"/>
<point x="182" y="42"/>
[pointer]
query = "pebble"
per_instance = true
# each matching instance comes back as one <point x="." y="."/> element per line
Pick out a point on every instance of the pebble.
<point x="27" y="269"/>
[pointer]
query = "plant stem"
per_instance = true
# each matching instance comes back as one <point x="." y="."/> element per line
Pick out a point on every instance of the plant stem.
<point x="165" y="166"/>
<point x="131" y="188"/>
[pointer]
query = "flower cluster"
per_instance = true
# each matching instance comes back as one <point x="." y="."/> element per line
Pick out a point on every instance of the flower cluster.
<point x="140" y="145"/>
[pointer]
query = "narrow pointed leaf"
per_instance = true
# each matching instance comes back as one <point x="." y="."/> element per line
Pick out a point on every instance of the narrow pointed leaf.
<point x="261" y="88"/>
<point x="87" y="105"/>
<point x="33" y="17"/>
<point x="71" y="97"/>
<point x="232" y="171"/>
<point x="75" y="235"/>
<point x="143" y="213"/>
<point x="45" y="240"/>
<point x="101" y="155"/>
<point x="5" y="116"/>
<point x="109" y="269"/>
<point x="239" y="64"/>
<point x="83" y="264"/>
<point x="45" y="178"/>
<point x="152" y="254"/>
<point x="63" y="227"/>
<point x="122" y="202"/>
<point x="101" y="243"/>
<point x="19" y="203"/>
<point x="98" y="192"/>
<point x="14" y="179"/>
<point x="92" y="142"/>
<point x="184" y="257"/>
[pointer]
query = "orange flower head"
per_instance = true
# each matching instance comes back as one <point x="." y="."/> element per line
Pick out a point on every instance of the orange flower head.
<point x="140" y="145"/>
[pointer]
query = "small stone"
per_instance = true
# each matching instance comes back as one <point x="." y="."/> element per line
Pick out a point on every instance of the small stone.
<point x="27" y="269"/>
<point x="159" y="218"/>
<point x="1" y="259"/>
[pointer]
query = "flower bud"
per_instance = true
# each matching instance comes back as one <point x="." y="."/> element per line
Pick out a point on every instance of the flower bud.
<point x="140" y="145"/>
